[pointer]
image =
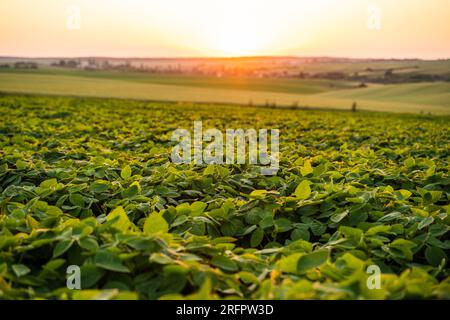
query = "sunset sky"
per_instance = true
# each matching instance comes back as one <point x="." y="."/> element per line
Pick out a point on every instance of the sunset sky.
<point x="178" y="28"/>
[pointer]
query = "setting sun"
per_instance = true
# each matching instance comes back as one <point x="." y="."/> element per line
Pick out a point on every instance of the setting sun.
<point x="240" y="37"/>
<point x="236" y="39"/>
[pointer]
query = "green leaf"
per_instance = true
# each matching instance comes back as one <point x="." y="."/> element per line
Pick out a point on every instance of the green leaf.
<point x="258" y="194"/>
<point x="403" y="194"/>
<point x="378" y="229"/>
<point x="429" y="196"/>
<point x="20" y="269"/>
<point x="121" y="220"/>
<point x="306" y="169"/>
<point x="404" y="247"/>
<point x="434" y="256"/>
<point x="90" y="275"/>
<point x="179" y="221"/>
<point x="183" y="208"/>
<point x="160" y="258"/>
<point x="77" y="200"/>
<point x="89" y="244"/>
<point x="353" y="234"/>
<point x="425" y="222"/>
<point x="300" y="233"/>
<point x="197" y="208"/>
<point x="53" y="264"/>
<point x="410" y="162"/>
<point x="318" y="228"/>
<point x="312" y="260"/>
<point x="224" y="263"/>
<point x="20" y="164"/>
<point x="126" y="172"/>
<point x="133" y="190"/>
<point x="99" y="186"/>
<point x="435" y="196"/>
<point x="419" y="212"/>
<point x="248" y="277"/>
<point x="109" y="261"/>
<point x="223" y="171"/>
<point x="338" y="217"/>
<point x="391" y="216"/>
<point x="289" y="264"/>
<point x="50" y="183"/>
<point x="256" y="237"/>
<point x="62" y="247"/>
<point x="303" y="190"/>
<point x="155" y="223"/>
<point x="266" y="222"/>
<point x="209" y="170"/>
<point x="282" y="225"/>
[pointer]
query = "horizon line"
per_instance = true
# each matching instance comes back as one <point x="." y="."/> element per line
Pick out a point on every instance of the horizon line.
<point x="220" y="57"/>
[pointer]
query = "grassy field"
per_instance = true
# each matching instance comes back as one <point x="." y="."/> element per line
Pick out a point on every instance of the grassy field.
<point x="410" y="98"/>
<point x="378" y="68"/>
<point x="437" y="94"/>
<point x="246" y="84"/>
<point x="89" y="182"/>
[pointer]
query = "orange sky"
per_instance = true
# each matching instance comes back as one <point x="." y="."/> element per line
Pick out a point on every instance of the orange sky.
<point x="175" y="28"/>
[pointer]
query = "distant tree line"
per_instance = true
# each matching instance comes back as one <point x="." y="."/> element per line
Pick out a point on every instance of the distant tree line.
<point x="66" y="64"/>
<point x="25" y="65"/>
<point x="403" y="74"/>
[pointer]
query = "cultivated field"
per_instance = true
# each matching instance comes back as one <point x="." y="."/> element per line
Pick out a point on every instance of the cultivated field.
<point x="332" y="94"/>
<point x="89" y="182"/>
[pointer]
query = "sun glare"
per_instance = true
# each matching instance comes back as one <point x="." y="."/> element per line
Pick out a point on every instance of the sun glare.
<point x="240" y="40"/>
<point x="253" y="27"/>
<point x="240" y="31"/>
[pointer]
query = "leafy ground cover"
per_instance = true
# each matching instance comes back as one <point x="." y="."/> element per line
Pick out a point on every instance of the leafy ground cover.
<point x="89" y="182"/>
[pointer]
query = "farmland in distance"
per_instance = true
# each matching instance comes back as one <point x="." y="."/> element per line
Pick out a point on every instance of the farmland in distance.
<point x="395" y="86"/>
